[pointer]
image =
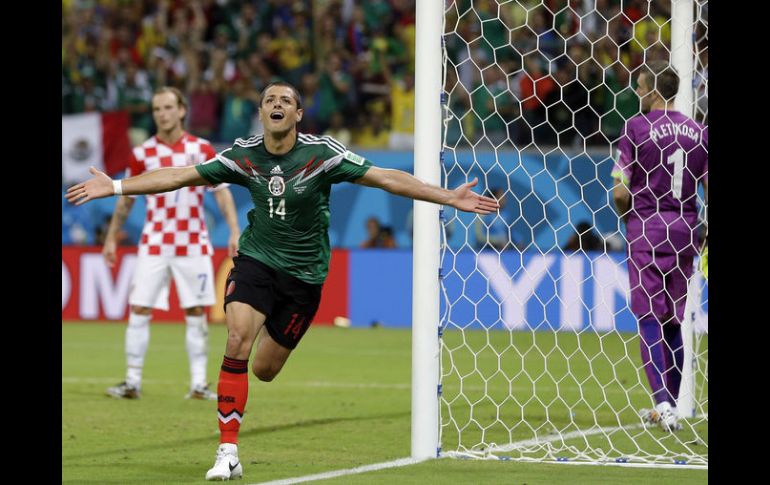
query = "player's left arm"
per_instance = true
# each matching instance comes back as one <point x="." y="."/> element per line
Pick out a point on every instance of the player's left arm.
<point x="401" y="183"/>
<point x="622" y="171"/>
<point x="226" y="205"/>
<point x="622" y="197"/>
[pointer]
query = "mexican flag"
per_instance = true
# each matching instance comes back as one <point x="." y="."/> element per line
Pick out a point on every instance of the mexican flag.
<point x="93" y="139"/>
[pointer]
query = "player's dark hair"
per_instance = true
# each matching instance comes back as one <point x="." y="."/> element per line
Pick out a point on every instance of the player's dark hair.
<point x="294" y="92"/>
<point x="179" y="97"/>
<point x="662" y="78"/>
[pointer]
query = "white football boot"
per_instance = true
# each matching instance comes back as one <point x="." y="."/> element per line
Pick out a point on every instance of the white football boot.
<point x="227" y="466"/>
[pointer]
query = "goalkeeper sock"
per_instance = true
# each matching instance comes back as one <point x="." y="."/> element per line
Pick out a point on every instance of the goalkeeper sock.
<point x="232" y="392"/>
<point x="672" y="332"/>
<point x="655" y="356"/>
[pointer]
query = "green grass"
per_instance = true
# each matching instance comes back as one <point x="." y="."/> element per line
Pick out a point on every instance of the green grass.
<point x="343" y="400"/>
<point x="504" y="387"/>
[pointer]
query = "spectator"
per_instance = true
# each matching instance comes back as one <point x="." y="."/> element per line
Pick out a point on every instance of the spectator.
<point x="134" y="96"/>
<point x="535" y="86"/>
<point x="204" y="108"/>
<point x="87" y="95"/>
<point x="401" y="107"/>
<point x="620" y="104"/>
<point x="240" y="106"/>
<point x="372" y="133"/>
<point x="378" y="236"/>
<point x="334" y="86"/>
<point x="338" y="131"/>
<point x="311" y="103"/>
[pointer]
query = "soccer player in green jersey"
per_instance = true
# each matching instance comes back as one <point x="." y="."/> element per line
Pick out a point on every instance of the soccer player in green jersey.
<point x="273" y="291"/>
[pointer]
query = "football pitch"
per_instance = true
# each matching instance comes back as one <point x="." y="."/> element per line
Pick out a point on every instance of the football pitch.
<point x="342" y="401"/>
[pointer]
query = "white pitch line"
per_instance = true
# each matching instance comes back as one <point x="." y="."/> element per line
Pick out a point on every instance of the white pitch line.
<point x="349" y="471"/>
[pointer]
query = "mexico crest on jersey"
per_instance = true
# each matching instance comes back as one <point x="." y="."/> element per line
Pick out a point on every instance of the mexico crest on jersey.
<point x="276" y="185"/>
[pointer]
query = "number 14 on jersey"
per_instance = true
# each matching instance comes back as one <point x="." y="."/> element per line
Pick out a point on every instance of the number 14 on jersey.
<point x="280" y="209"/>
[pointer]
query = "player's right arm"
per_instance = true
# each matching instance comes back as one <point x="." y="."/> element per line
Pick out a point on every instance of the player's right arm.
<point x="122" y="209"/>
<point x="154" y="182"/>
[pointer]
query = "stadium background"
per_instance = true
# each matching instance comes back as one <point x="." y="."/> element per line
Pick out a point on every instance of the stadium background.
<point x="354" y="65"/>
<point x="353" y="62"/>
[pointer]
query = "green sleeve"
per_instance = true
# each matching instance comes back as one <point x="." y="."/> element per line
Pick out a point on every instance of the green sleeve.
<point x="222" y="169"/>
<point x="350" y="167"/>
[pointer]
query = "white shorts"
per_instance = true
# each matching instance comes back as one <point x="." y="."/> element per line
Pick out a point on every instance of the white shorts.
<point x="193" y="276"/>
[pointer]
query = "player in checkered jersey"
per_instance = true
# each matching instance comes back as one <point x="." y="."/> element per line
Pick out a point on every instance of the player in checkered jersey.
<point x="174" y="243"/>
<point x="274" y="289"/>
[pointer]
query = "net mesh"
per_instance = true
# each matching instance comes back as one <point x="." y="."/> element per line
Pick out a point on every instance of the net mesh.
<point x="540" y="354"/>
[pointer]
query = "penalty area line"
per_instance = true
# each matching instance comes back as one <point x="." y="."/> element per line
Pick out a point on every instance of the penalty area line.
<point x="349" y="471"/>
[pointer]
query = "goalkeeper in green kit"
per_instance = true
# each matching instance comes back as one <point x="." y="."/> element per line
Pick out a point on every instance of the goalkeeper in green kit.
<point x="273" y="291"/>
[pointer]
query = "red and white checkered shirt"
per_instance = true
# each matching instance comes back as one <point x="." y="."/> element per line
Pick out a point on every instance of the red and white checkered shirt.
<point x="174" y="225"/>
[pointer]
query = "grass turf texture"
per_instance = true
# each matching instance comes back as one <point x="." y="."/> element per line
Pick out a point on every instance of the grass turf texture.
<point x="343" y="400"/>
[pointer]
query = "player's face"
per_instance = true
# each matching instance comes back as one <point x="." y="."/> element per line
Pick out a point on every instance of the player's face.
<point x="279" y="112"/>
<point x="167" y="112"/>
<point x="644" y="92"/>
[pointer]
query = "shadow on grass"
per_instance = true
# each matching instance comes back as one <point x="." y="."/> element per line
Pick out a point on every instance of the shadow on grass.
<point x="262" y="430"/>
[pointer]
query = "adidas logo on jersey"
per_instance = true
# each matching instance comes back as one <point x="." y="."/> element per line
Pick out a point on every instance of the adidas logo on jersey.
<point x="276" y="170"/>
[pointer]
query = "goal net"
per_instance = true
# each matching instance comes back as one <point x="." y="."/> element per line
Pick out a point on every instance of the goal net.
<point x="539" y="351"/>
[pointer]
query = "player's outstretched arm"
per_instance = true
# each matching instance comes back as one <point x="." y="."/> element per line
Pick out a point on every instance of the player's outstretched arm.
<point x="401" y="183"/>
<point x="154" y="182"/>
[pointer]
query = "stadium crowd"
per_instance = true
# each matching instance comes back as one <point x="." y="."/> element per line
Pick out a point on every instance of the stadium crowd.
<point x="349" y="60"/>
<point x="548" y="72"/>
<point x="353" y="61"/>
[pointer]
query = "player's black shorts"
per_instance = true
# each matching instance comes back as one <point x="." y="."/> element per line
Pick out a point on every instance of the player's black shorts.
<point x="288" y="302"/>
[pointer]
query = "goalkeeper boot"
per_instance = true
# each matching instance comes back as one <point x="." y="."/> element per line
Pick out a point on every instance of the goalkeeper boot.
<point x="201" y="392"/>
<point x="227" y="466"/>
<point x="669" y="421"/>
<point x="650" y="417"/>
<point x="124" y="391"/>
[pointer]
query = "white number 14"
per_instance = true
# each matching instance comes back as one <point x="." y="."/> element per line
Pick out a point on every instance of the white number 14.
<point x="280" y="210"/>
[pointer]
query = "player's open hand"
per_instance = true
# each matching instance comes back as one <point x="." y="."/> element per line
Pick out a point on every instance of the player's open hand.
<point x="100" y="185"/>
<point x="110" y="251"/>
<point x="467" y="200"/>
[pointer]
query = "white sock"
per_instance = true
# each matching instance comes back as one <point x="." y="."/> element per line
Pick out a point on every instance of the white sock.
<point x="229" y="448"/>
<point x="663" y="406"/>
<point x="137" y="340"/>
<point x="196" y="339"/>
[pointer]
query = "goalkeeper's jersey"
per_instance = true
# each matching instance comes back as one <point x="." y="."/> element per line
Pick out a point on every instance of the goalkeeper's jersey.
<point x="288" y="226"/>
<point x="662" y="157"/>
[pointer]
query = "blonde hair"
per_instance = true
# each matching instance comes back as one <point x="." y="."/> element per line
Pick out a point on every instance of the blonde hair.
<point x="179" y="97"/>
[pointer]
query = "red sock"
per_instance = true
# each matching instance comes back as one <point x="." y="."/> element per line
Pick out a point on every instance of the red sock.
<point x="232" y="393"/>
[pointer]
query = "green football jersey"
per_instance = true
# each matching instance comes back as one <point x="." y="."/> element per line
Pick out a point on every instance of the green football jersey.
<point x="288" y="226"/>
